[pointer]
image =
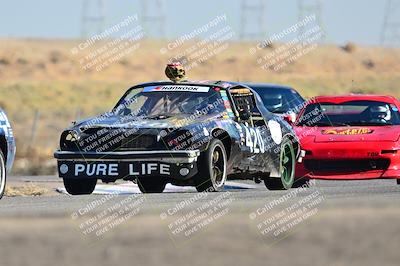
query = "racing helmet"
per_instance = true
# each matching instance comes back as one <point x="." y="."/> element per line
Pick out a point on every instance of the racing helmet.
<point x="175" y="71"/>
<point x="273" y="101"/>
<point x="380" y="113"/>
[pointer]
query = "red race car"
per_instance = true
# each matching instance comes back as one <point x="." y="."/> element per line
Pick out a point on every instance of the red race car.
<point x="349" y="137"/>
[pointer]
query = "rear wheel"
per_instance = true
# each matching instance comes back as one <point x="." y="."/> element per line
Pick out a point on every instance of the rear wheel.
<point x="3" y="174"/>
<point x="151" y="185"/>
<point x="80" y="186"/>
<point x="212" y="168"/>
<point x="398" y="181"/>
<point x="287" y="168"/>
<point x="302" y="182"/>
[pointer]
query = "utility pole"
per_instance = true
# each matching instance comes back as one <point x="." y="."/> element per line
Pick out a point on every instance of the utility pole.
<point x="252" y="22"/>
<point x="153" y="17"/>
<point x="390" y="34"/>
<point x="308" y="8"/>
<point x="93" y="17"/>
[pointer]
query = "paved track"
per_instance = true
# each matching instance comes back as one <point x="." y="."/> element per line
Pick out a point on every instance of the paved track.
<point x="356" y="223"/>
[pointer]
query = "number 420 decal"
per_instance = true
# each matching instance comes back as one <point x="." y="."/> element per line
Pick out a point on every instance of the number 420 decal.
<point x="254" y="140"/>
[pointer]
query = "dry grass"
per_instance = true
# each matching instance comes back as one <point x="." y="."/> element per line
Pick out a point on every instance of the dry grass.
<point x="25" y="190"/>
<point x="43" y="75"/>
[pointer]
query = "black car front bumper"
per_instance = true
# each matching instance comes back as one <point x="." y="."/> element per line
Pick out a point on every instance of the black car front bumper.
<point x="180" y="165"/>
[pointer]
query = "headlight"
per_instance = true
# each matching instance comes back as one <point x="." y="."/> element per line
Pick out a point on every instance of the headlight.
<point x="69" y="140"/>
<point x="72" y="136"/>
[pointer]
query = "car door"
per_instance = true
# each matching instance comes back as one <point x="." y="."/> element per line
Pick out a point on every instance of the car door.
<point x="251" y="128"/>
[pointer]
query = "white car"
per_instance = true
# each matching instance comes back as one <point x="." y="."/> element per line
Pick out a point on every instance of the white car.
<point x="7" y="150"/>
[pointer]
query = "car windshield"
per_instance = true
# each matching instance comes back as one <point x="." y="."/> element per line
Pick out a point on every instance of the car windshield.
<point x="351" y="113"/>
<point x="171" y="100"/>
<point x="280" y="100"/>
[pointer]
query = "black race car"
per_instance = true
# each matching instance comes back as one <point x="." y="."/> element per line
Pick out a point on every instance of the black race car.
<point x="279" y="99"/>
<point x="7" y="150"/>
<point x="191" y="133"/>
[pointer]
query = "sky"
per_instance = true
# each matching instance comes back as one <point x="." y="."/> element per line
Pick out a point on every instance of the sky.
<point x="358" y="21"/>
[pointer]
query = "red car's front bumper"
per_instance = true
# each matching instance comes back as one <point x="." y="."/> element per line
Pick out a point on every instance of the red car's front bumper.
<point x="350" y="160"/>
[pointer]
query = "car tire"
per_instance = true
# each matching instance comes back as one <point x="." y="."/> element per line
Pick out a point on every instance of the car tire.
<point x="398" y="181"/>
<point x="212" y="167"/>
<point x="3" y="174"/>
<point x="287" y="168"/>
<point x="301" y="182"/>
<point x="151" y="185"/>
<point x="80" y="186"/>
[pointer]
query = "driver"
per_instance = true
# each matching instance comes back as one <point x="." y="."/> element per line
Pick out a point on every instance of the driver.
<point x="273" y="101"/>
<point x="380" y="114"/>
<point x="204" y="105"/>
<point x="189" y="103"/>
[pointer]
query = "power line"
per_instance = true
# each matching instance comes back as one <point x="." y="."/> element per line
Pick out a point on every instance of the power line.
<point x="93" y="17"/>
<point x="309" y="8"/>
<point x="252" y="22"/>
<point x="390" y="34"/>
<point x="153" y="17"/>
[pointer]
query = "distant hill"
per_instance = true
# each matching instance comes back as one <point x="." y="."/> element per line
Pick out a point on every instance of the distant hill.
<point x="45" y="76"/>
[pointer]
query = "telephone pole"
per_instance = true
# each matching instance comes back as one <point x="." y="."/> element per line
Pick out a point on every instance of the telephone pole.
<point x="252" y="22"/>
<point x="308" y="8"/>
<point x="93" y="17"/>
<point x="390" y="34"/>
<point x="153" y="17"/>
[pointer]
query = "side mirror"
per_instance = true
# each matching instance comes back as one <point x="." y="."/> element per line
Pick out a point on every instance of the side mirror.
<point x="290" y="118"/>
<point x="244" y="114"/>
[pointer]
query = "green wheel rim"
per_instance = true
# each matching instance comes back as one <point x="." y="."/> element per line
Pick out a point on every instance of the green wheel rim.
<point x="287" y="164"/>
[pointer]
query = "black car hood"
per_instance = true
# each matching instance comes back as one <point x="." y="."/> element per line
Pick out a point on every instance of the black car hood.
<point x="118" y="121"/>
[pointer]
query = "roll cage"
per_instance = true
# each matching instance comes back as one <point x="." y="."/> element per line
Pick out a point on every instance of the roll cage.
<point x="241" y="96"/>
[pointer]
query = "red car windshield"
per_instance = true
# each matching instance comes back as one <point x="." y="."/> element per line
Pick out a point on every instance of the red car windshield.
<point x="352" y="113"/>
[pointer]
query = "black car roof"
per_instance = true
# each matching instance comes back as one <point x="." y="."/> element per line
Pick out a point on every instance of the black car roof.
<point x="218" y="83"/>
<point x="268" y="86"/>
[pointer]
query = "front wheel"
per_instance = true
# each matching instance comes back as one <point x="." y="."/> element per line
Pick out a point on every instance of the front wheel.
<point x="212" y="168"/>
<point x="80" y="186"/>
<point x="151" y="185"/>
<point x="398" y="181"/>
<point x="3" y="174"/>
<point x="287" y="168"/>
